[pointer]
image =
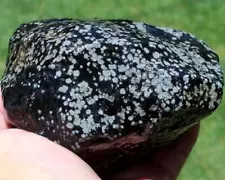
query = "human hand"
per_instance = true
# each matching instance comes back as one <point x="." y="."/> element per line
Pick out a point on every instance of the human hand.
<point x="164" y="164"/>
<point x="25" y="156"/>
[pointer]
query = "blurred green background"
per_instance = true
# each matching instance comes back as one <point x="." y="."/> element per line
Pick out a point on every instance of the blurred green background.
<point x="204" y="18"/>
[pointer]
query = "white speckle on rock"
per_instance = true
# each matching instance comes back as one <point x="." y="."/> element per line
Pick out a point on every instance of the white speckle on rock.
<point x="58" y="73"/>
<point x="69" y="125"/>
<point x="63" y="89"/>
<point x="68" y="80"/>
<point x="122" y="91"/>
<point x="76" y="73"/>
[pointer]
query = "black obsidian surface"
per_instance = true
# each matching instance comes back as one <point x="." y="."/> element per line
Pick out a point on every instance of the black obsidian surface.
<point x="105" y="89"/>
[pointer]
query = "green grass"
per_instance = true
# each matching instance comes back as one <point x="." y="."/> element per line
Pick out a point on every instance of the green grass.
<point x="204" y="18"/>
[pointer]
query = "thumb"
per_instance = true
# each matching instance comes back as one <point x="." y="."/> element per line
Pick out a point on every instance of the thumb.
<point x="25" y="156"/>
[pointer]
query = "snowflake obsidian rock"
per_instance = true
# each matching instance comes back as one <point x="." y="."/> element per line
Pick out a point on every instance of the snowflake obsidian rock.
<point x="105" y="88"/>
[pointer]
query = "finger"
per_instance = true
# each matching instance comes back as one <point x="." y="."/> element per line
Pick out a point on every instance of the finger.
<point x="173" y="157"/>
<point x="165" y="163"/>
<point x="26" y="156"/>
<point x="147" y="171"/>
<point x="3" y="117"/>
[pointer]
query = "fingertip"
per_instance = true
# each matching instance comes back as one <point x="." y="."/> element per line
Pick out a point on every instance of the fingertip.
<point x="164" y="164"/>
<point x="24" y="149"/>
<point x="3" y="115"/>
<point x="173" y="157"/>
<point x="3" y="122"/>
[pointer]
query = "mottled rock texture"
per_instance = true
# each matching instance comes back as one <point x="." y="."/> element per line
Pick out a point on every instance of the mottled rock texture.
<point x="106" y="89"/>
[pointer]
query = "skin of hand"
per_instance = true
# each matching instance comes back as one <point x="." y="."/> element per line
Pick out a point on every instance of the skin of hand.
<point x="25" y="155"/>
